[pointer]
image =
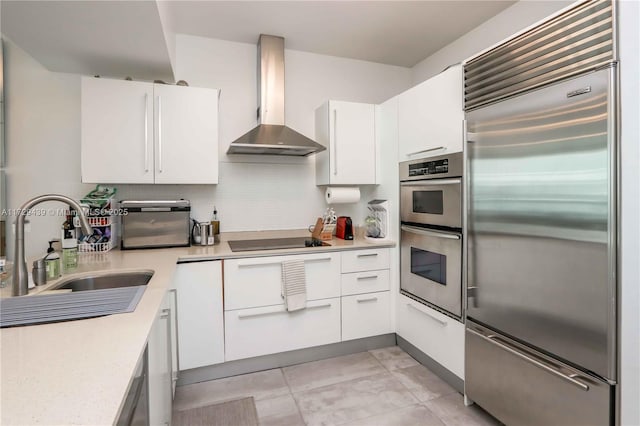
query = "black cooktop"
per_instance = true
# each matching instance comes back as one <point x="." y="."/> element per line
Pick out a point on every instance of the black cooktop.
<point x="275" y="244"/>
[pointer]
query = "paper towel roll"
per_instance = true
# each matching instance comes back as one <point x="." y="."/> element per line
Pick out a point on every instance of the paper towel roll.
<point x="342" y="195"/>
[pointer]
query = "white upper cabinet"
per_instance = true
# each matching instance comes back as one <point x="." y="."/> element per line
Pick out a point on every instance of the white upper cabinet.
<point x="136" y="132"/>
<point x="430" y="116"/>
<point x="186" y="142"/>
<point x="117" y="131"/>
<point x="347" y="130"/>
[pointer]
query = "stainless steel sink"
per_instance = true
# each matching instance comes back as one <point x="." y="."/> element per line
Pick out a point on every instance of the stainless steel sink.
<point x="113" y="293"/>
<point x="103" y="281"/>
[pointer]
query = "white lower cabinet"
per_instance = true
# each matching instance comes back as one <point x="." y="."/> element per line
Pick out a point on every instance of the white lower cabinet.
<point x="271" y="329"/>
<point x="159" y="369"/>
<point x="200" y="314"/>
<point x="366" y="301"/>
<point x="365" y="315"/>
<point x="437" y="335"/>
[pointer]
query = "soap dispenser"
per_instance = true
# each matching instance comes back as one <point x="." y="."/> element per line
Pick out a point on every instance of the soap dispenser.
<point x="52" y="262"/>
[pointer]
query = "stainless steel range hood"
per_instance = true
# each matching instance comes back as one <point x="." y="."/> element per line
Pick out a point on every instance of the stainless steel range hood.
<point x="272" y="137"/>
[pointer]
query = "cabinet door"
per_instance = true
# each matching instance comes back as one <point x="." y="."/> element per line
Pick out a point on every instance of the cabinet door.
<point x="437" y="335"/>
<point x="430" y="116"/>
<point x="116" y="131"/>
<point x="365" y="315"/>
<point x="160" y="395"/>
<point x="352" y="148"/>
<point x="186" y="134"/>
<point x="272" y="329"/>
<point x="200" y="317"/>
<point x="257" y="282"/>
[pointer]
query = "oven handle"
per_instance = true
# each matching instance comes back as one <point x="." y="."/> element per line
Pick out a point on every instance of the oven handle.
<point x="416" y="230"/>
<point x="433" y="182"/>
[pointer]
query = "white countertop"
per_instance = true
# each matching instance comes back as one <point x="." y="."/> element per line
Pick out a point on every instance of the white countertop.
<point x="78" y="372"/>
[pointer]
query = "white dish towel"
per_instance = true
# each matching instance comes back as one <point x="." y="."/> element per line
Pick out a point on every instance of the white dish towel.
<point x="294" y="286"/>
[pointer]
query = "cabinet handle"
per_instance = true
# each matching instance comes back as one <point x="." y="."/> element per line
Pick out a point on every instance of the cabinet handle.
<point x="175" y="295"/>
<point x="335" y="142"/>
<point x="146" y="132"/>
<point x="368" y="277"/>
<point x="438" y="320"/>
<point x="159" y="134"/>
<point x="369" y="299"/>
<point x="247" y="264"/>
<point x="280" y="310"/>
<point x="411" y="154"/>
<point x="368" y="255"/>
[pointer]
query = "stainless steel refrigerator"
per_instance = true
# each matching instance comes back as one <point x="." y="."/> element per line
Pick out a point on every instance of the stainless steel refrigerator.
<point x="541" y="332"/>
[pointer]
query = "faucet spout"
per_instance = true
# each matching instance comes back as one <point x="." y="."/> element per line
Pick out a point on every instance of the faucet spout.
<point x="20" y="276"/>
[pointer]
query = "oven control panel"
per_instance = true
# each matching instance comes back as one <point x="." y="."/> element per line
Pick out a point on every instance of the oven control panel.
<point x="434" y="167"/>
<point x="429" y="168"/>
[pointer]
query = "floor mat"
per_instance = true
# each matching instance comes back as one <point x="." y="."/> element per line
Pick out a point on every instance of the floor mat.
<point x="241" y="412"/>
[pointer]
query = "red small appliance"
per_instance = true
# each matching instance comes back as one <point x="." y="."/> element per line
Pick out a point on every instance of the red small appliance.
<point x="344" y="228"/>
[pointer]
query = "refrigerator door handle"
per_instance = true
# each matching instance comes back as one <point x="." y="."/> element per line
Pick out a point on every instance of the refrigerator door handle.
<point x="567" y="377"/>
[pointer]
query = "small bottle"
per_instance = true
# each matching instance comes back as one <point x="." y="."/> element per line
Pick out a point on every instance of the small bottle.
<point x="52" y="262"/>
<point x="69" y="244"/>
<point x="215" y="224"/>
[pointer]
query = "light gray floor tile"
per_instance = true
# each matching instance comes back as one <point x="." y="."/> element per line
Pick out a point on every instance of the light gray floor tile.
<point x="279" y="411"/>
<point x="393" y="358"/>
<point x="414" y="415"/>
<point x="452" y="412"/>
<point x="260" y="385"/>
<point x="312" y="375"/>
<point x="352" y="400"/>
<point x="422" y="383"/>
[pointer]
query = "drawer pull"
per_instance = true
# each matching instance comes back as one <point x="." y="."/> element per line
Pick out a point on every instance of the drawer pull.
<point x="278" y="310"/>
<point x="248" y="264"/>
<point x="368" y="299"/>
<point x="282" y="310"/>
<point x="368" y="255"/>
<point x="367" y="277"/>
<point x="571" y="378"/>
<point x="438" y="320"/>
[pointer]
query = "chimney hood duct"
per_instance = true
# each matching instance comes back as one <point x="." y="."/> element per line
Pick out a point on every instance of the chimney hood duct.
<point x="272" y="137"/>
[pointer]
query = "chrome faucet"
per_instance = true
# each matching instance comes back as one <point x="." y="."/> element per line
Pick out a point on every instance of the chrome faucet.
<point x="20" y="277"/>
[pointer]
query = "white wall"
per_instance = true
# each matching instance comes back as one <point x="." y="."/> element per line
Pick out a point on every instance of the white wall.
<point x="254" y="193"/>
<point x="42" y="142"/>
<point x="629" y="44"/>
<point x="508" y="22"/>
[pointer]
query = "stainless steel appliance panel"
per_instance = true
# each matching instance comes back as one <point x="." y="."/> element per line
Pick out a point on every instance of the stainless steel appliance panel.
<point x="150" y="224"/>
<point x="433" y="202"/>
<point x="431" y="266"/>
<point x="522" y="387"/>
<point x="541" y="220"/>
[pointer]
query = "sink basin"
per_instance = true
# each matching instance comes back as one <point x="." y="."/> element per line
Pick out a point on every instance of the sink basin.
<point x="105" y="280"/>
<point x="90" y="296"/>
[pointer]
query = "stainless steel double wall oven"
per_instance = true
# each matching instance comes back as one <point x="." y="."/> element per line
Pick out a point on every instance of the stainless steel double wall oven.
<point x="431" y="231"/>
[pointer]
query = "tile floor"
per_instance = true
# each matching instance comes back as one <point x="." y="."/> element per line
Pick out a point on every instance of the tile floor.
<point x="382" y="387"/>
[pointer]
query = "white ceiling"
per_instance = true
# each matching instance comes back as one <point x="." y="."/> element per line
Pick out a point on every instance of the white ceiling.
<point x="134" y="38"/>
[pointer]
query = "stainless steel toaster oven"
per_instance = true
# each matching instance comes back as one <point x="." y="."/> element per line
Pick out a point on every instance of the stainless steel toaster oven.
<point x="152" y="224"/>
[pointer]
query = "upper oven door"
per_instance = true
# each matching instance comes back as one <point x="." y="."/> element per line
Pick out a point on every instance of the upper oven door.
<point x="432" y="202"/>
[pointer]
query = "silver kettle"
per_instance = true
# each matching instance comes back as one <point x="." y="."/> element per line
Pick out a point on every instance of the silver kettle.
<point x="202" y="233"/>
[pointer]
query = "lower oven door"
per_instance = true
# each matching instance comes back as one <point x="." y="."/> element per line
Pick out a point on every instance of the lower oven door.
<point x="431" y="267"/>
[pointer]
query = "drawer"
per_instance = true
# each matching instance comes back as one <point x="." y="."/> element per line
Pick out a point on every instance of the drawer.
<point x="366" y="315"/>
<point x="271" y="329"/>
<point x="365" y="282"/>
<point x="523" y="387"/>
<point x="254" y="282"/>
<point x="435" y="334"/>
<point x="365" y="260"/>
